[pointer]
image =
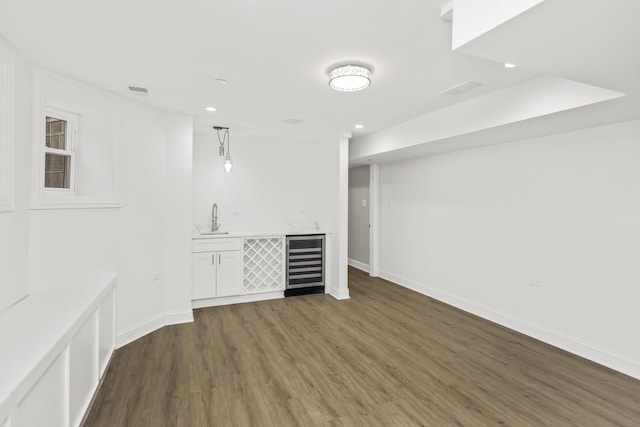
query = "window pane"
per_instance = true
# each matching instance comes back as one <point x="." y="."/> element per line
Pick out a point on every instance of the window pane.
<point x="56" y="135"/>
<point x="57" y="171"/>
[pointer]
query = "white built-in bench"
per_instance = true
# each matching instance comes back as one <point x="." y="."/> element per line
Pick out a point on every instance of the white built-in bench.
<point x="54" y="348"/>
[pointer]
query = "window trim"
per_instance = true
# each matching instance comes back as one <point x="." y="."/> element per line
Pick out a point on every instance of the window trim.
<point x="71" y="142"/>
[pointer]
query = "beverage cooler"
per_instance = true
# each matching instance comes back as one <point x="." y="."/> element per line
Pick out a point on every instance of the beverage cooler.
<point x="305" y="264"/>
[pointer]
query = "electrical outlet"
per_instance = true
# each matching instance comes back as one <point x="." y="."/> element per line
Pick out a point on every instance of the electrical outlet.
<point x="156" y="276"/>
<point x="536" y="283"/>
<point x="364" y="202"/>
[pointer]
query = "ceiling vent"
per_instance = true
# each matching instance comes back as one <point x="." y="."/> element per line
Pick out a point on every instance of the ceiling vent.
<point x="461" y="88"/>
<point x="139" y="90"/>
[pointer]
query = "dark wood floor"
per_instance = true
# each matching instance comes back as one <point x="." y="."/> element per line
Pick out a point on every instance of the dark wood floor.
<point x="387" y="357"/>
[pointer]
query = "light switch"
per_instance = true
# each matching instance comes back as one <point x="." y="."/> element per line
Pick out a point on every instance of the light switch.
<point x="364" y="202"/>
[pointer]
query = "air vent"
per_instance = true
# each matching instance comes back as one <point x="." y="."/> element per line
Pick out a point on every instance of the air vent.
<point x="461" y="88"/>
<point x="138" y="89"/>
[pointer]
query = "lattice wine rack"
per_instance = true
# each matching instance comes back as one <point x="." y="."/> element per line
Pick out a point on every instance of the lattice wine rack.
<point x="263" y="265"/>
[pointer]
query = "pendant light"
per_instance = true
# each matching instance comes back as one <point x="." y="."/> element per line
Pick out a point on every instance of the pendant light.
<point x="228" y="163"/>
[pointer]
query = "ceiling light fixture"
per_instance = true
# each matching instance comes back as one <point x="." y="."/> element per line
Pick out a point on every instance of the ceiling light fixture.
<point x="349" y="78"/>
<point x="358" y="126"/>
<point x="228" y="164"/>
<point x="211" y="109"/>
<point x="220" y="81"/>
<point x="509" y="65"/>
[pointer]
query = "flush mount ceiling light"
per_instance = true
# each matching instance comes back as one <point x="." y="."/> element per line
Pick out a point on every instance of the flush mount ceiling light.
<point x="210" y="109"/>
<point x="228" y="164"/>
<point x="509" y="65"/>
<point x="349" y="78"/>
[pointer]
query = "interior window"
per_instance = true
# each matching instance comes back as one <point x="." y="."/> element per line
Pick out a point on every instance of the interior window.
<point x="59" y="155"/>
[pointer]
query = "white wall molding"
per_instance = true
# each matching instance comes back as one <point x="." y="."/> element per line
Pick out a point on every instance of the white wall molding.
<point x="152" y="324"/>
<point x="359" y="265"/>
<point x="7" y="66"/>
<point x="343" y="218"/>
<point x="587" y="350"/>
<point x="374" y="220"/>
<point x="359" y="215"/>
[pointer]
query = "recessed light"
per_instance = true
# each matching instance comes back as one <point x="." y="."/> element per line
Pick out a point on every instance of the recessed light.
<point x="212" y="109"/>
<point x="220" y="81"/>
<point x="509" y="65"/>
<point x="358" y="126"/>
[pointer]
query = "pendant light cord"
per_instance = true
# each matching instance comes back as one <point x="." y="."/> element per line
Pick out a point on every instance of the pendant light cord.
<point x="225" y="137"/>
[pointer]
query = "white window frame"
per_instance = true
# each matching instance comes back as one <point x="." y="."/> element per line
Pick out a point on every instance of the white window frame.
<point x="71" y="147"/>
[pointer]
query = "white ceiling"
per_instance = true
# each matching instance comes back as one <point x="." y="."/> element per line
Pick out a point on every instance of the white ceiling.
<point x="274" y="55"/>
<point x="592" y="43"/>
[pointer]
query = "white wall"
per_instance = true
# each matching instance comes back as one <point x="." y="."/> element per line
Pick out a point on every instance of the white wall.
<point x="271" y="181"/>
<point x="41" y="249"/>
<point x="477" y="228"/>
<point x="330" y="201"/>
<point x="275" y="181"/>
<point x="14" y="223"/>
<point x="97" y="116"/>
<point x="140" y="238"/>
<point x="177" y="217"/>
<point x="359" y="216"/>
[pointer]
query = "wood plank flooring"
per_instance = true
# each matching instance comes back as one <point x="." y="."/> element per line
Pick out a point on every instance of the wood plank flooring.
<point x="386" y="357"/>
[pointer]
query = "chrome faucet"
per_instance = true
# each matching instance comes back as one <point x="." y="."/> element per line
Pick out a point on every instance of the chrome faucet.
<point x="214" y="218"/>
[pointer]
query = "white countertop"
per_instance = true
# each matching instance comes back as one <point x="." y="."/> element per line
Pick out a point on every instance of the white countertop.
<point x="278" y="229"/>
<point x="257" y="233"/>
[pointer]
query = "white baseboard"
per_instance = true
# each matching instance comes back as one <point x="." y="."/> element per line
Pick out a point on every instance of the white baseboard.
<point x="153" y="324"/>
<point x="339" y="295"/>
<point x="237" y="299"/>
<point x="593" y="352"/>
<point x="359" y="265"/>
<point x="178" y="317"/>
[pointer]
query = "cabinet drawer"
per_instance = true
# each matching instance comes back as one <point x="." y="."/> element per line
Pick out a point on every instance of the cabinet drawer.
<point x="213" y="245"/>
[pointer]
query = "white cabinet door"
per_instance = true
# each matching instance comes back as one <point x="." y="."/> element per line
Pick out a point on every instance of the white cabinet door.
<point x="203" y="275"/>
<point x="229" y="275"/>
